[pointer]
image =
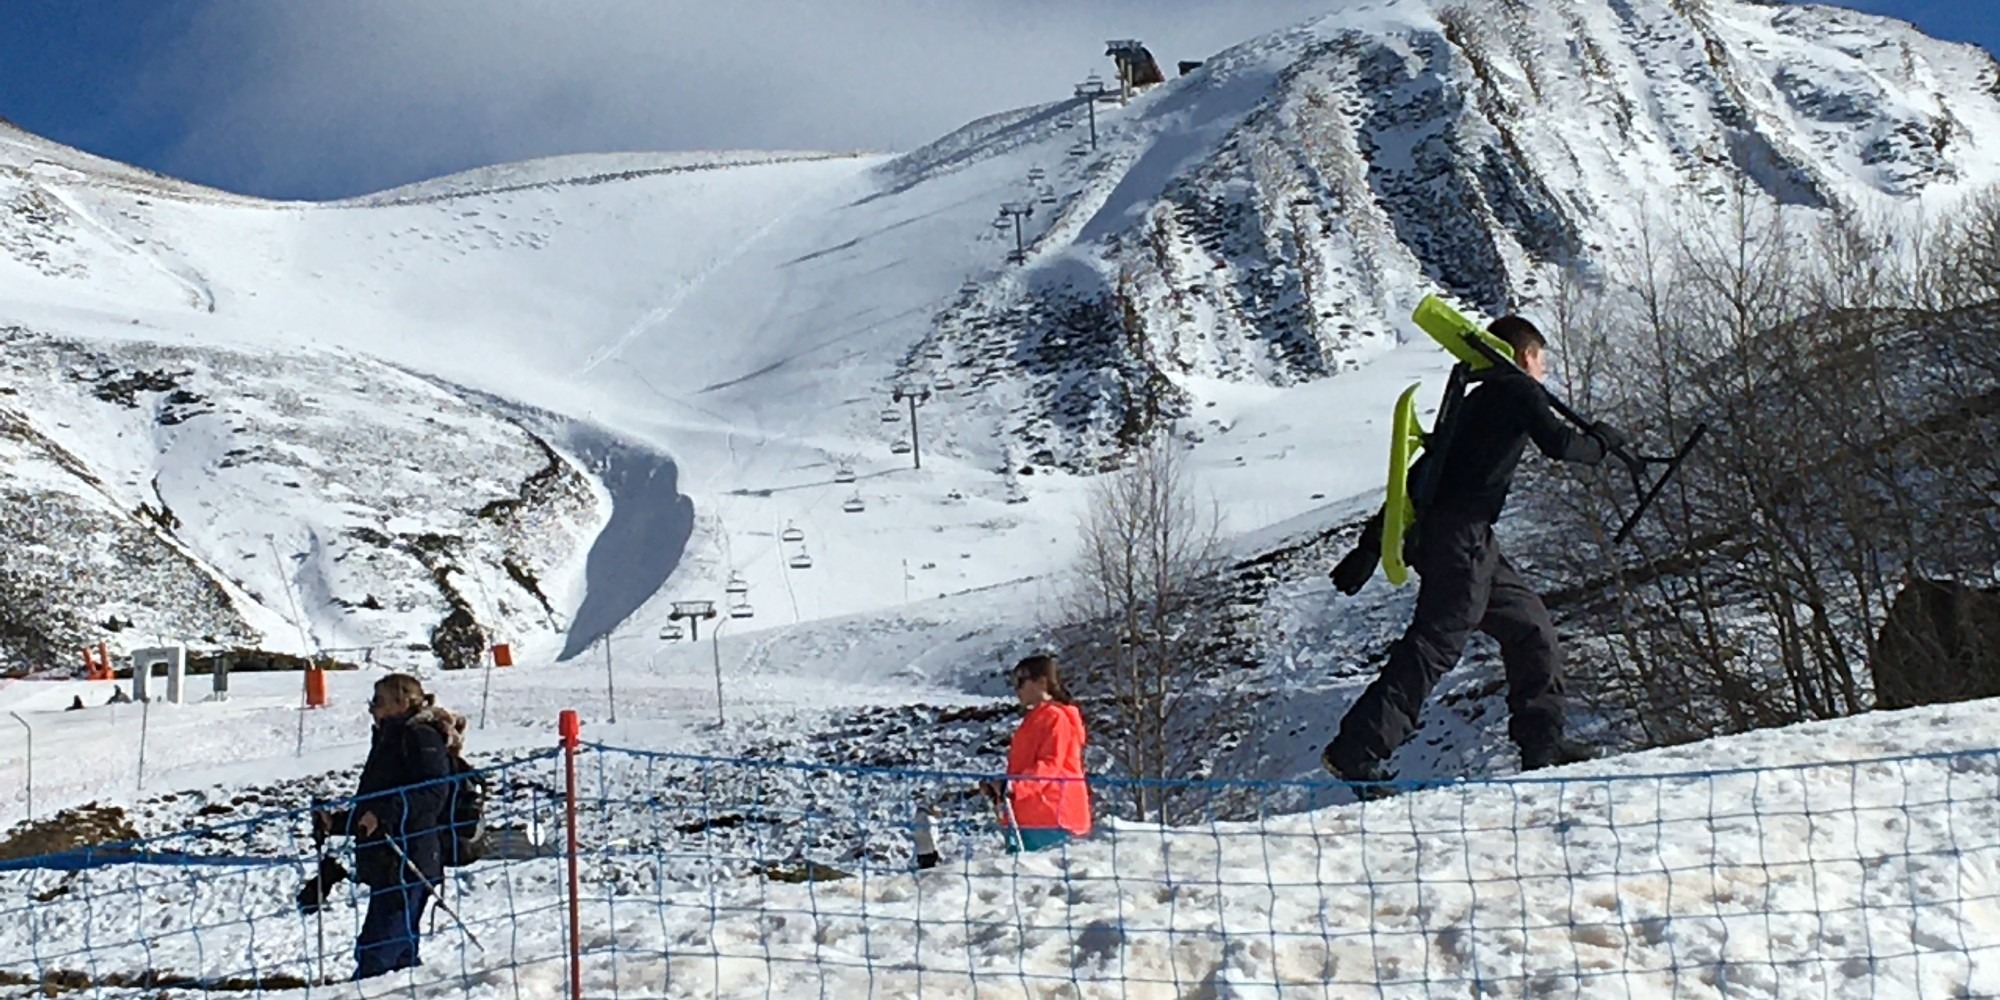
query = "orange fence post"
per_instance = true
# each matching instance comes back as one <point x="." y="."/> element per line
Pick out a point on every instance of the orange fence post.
<point x="315" y="687"/>
<point x="503" y="656"/>
<point x="97" y="666"/>
<point x="571" y="729"/>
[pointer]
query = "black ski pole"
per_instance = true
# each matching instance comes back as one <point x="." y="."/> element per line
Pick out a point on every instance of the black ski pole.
<point x="319" y="834"/>
<point x="1635" y="462"/>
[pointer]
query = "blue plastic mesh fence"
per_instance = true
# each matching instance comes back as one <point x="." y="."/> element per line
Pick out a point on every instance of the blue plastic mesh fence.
<point x="221" y="905"/>
<point x="708" y="877"/>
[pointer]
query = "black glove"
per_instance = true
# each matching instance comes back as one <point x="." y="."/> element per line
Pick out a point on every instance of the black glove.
<point x="1610" y="437"/>
<point x="1353" y="572"/>
<point x="990" y="789"/>
<point x="331" y="873"/>
<point x="328" y="823"/>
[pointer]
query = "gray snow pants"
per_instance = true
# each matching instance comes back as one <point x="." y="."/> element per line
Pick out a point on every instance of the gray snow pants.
<point x="1466" y="584"/>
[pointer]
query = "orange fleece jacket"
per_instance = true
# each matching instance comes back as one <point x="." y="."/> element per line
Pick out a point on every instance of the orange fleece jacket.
<point x="1049" y="745"/>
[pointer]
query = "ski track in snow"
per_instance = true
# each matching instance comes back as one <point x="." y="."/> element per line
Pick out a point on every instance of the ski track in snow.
<point x="199" y="294"/>
<point x="659" y="314"/>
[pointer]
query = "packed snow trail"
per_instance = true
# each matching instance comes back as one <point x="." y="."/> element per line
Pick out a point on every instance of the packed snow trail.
<point x="639" y="547"/>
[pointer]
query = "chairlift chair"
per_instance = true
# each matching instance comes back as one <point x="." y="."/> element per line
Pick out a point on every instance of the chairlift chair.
<point x="843" y="475"/>
<point x="742" y="611"/>
<point x="854" y="505"/>
<point x="1036" y="173"/>
<point x="944" y="383"/>
<point x="672" y="633"/>
<point x="1078" y="151"/>
<point x="793" y="534"/>
<point x="803" y="560"/>
<point x="892" y="415"/>
<point x="1003" y="224"/>
<point x="1049" y="197"/>
<point x="737" y="586"/>
<point x="899" y="447"/>
<point x="970" y="287"/>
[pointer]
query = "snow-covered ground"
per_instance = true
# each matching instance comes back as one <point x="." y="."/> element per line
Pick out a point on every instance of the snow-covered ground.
<point x="1848" y="859"/>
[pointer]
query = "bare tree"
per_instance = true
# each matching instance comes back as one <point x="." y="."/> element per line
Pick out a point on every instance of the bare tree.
<point x="1139" y="598"/>
<point x="1852" y="449"/>
<point x="1969" y="254"/>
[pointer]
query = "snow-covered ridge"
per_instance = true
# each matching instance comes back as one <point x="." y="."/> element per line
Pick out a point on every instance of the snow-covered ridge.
<point x="1240" y="249"/>
<point x="577" y="169"/>
<point x="1270" y="217"/>
<point x="24" y="152"/>
<point x="169" y="481"/>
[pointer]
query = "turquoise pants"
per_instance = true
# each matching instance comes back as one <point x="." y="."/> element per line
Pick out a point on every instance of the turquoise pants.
<point x="1036" y="839"/>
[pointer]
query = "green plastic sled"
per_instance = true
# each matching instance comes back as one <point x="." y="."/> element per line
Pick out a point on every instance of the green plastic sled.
<point x="1398" y="513"/>
<point x="1454" y="331"/>
<point x="1452" y="328"/>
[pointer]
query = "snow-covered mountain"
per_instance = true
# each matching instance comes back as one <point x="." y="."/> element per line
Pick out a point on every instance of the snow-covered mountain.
<point x="538" y="402"/>
<point x="1270" y="217"/>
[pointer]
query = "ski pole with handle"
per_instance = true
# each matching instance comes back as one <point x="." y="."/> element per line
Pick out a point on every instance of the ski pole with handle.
<point x="1003" y="814"/>
<point x="319" y="835"/>
<point x="1634" y="461"/>
<point x="435" y="896"/>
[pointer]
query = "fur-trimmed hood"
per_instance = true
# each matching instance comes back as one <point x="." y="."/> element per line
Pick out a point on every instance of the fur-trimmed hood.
<point x="445" y="721"/>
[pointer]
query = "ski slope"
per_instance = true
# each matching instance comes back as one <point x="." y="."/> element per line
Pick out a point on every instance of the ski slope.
<point x="711" y="337"/>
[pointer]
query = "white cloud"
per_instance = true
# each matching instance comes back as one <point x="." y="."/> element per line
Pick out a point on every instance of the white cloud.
<point x="336" y="98"/>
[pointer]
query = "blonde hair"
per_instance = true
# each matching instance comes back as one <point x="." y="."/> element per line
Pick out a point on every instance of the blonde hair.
<point x="406" y="690"/>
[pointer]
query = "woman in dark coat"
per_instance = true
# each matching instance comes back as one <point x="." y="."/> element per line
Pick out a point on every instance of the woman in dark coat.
<point x="396" y="820"/>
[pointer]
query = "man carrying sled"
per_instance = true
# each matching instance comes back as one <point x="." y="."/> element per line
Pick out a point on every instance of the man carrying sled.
<point x="1466" y="582"/>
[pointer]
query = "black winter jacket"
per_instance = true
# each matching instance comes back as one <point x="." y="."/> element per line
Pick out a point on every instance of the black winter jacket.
<point x="404" y="784"/>
<point x="1494" y="425"/>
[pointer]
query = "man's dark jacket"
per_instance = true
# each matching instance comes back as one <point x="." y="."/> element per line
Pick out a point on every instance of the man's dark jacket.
<point x="1494" y="425"/>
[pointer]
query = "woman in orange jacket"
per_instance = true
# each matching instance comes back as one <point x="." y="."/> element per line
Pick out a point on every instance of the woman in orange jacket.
<point x="1045" y="785"/>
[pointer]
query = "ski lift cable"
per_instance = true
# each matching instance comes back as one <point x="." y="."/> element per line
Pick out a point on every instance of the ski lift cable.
<point x="791" y="593"/>
<point x="776" y="547"/>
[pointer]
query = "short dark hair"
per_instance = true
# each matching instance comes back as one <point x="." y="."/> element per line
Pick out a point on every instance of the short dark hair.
<point x="1519" y="334"/>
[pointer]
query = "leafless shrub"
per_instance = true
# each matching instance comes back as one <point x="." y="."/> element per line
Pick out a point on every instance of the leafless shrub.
<point x="1141" y="603"/>
<point x="1847" y="373"/>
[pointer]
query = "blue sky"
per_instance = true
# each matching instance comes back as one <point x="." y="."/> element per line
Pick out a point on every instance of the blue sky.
<point x="327" y="98"/>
